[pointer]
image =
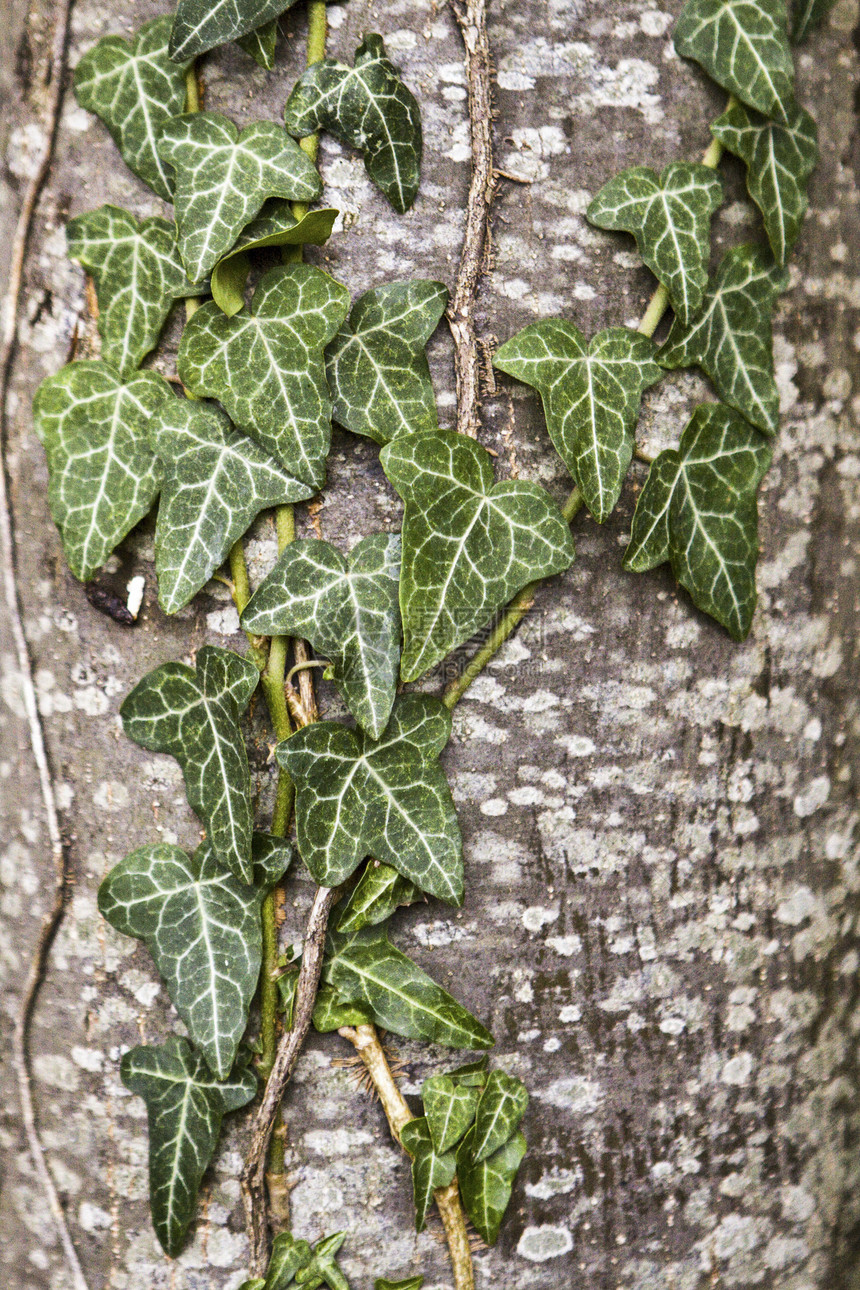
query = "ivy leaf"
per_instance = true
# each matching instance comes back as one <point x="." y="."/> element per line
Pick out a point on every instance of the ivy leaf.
<point x="193" y="714"/>
<point x="260" y="44"/>
<point x="377" y="367"/>
<point x="486" y="1187"/>
<point x="224" y="176"/>
<point x="256" y="1283"/>
<point x="202" y="928"/>
<point x="185" y="1105"/>
<point x="472" y="1075"/>
<point x="346" y="606"/>
<point x="216" y="482"/>
<point x="408" y="1283"/>
<point x="743" y="46"/>
<point x="779" y="161"/>
<point x="331" y="1013"/>
<point x="138" y="274"/>
<point x="356" y="796"/>
<point x="450" y="1109"/>
<point x="430" y="1169"/>
<point x="591" y="391"/>
<point x="379" y="891"/>
<point x="288" y="1256"/>
<point x="731" y="338"/>
<point x="286" y="407"/>
<point x="274" y="226"/>
<point x="468" y="544"/>
<point x="103" y="476"/>
<point x="669" y="214"/>
<point x="808" y="14"/>
<point x="366" y="968"/>
<point x="135" y="89"/>
<point x="503" y="1104"/>
<point x="698" y="510"/>
<point x="323" y="1268"/>
<point x="200" y="25"/>
<point x="367" y="107"/>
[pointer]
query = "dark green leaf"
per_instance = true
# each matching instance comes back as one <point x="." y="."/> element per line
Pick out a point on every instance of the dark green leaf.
<point x="274" y="226"/>
<point x="698" y="510"/>
<point x="503" y="1104"/>
<point x="288" y="1256"/>
<point x="194" y="716"/>
<point x="260" y="44"/>
<point x="670" y="216"/>
<point x="376" y="365"/>
<point x="430" y="1169"/>
<point x="468" y="544"/>
<point x="731" y="338"/>
<point x="323" y="1268"/>
<point x="347" y="608"/>
<point x="185" y="1105"/>
<point x="472" y="1075"/>
<point x="450" y="1109"/>
<point x="379" y="891"/>
<point x="200" y="25"/>
<point x="135" y="89"/>
<point x="266" y="364"/>
<point x="103" y="476"/>
<point x="486" y="1187"/>
<point x="743" y="45"/>
<point x="368" y="107"/>
<point x="591" y="392"/>
<point x="223" y="177"/>
<point x="356" y="796"/>
<point x="331" y="1013"/>
<point x="808" y="14"/>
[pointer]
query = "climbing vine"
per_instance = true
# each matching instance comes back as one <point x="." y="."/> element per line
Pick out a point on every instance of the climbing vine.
<point x="265" y="370"/>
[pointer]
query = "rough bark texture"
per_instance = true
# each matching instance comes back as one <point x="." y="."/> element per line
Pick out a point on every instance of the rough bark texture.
<point x="660" y="826"/>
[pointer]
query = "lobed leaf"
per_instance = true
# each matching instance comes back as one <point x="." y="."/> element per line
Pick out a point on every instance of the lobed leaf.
<point x="486" y="1187"/>
<point x="430" y="1169"/>
<point x="274" y="226"/>
<point x="377" y="368"/>
<point x="346" y="606"/>
<point x="731" y="338"/>
<point x="379" y="891"/>
<point x="265" y="365"/>
<point x="260" y="44"/>
<point x="103" y="476"/>
<point x="449" y="1108"/>
<point x="468" y="544"/>
<point x="743" y="46"/>
<point x="289" y="1255"/>
<point x="591" y="392"/>
<point x="698" y="510"/>
<point x="503" y="1104"/>
<point x="200" y="25"/>
<point x="367" y="107"/>
<point x="331" y="1013"/>
<point x="224" y="176"/>
<point x="806" y="15"/>
<point x="193" y="715"/>
<point x="669" y="214"/>
<point x="185" y="1107"/>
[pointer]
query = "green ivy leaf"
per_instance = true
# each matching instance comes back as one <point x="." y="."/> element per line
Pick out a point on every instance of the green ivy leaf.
<point x="331" y="1013"/>
<point x="323" y="1268"/>
<point x="224" y="176"/>
<point x="134" y="88"/>
<point x="274" y="226"/>
<point x="260" y="44"/>
<point x="185" y="1105"/>
<point x="731" y="338"/>
<point x="430" y="1169"/>
<point x="356" y="796"/>
<point x="200" y="25"/>
<point x="103" y="476"/>
<point x="698" y="510"/>
<point x="468" y="544"/>
<point x="377" y="367"/>
<point x="503" y="1104"/>
<point x="287" y="984"/>
<point x="256" y="1283"/>
<point x="216" y="482"/>
<point x="367" y="107"/>
<point x="669" y="214"/>
<point x="202" y="928"/>
<point x="808" y="14"/>
<point x="286" y="406"/>
<point x="137" y="273"/>
<point x="779" y="161"/>
<point x="486" y="1187"/>
<point x="408" y="1283"/>
<point x="450" y="1109"/>
<point x="193" y="715"/>
<point x="379" y="891"/>
<point x="289" y="1255"/>
<point x="743" y="46"/>
<point x="346" y="606"/>
<point x="591" y="392"/>
<point x="472" y="1075"/>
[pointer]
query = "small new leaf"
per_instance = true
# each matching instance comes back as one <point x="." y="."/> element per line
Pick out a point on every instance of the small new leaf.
<point x="135" y="89"/>
<point x="265" y="365"/>
<point x="202" y="928"/>
<point x="274" y="226"/>
<point x="503" y="1104"/>
<point x="224" y="176"/>
<point x="743" y="46"/>
<point x="331" y="1013"/>
<point x="377" y="367"/>
<point x="323" y="1268"/>
<point x="367" y="107"/>
<point x="698" y="510"/>
<point x="591" y="392"/>
<point x="408" y="1283"/>
<point x="137" y="273"/>
<point x="430" y="1169"/>
<point x="103" y="476"/>
<point x="731" y="338"/>
<point x="468" y="544"/>
<point x="346" y="606"/>
<point x="669" y="214"/>
<point x="216" y="482"/>
<point x="193" y="715"/>
<point x="808" y="14"/>
<point x="779" y="161"/>
<point x="450" y="1109"/>
<point x="356" y="796"/>
<point x="260" y="44"/>
<point x="486" y="1187"/>
<point x="185" y="1106"/>
<point x="199" y="25"/>
<point x="379" y="891"/>
<point x="288" y="1256"/>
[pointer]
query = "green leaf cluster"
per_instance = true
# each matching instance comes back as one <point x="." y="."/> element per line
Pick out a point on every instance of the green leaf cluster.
<point x="294" y="1262"/>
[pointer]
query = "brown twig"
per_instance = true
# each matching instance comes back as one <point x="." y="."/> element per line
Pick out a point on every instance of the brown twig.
<point x="471" y="18"/>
